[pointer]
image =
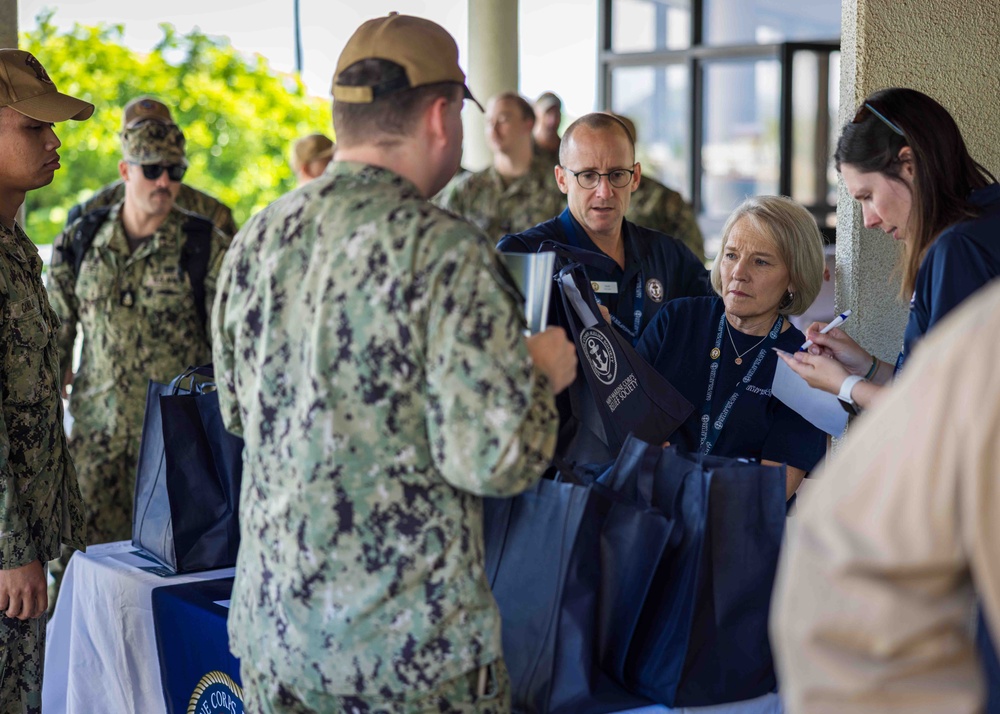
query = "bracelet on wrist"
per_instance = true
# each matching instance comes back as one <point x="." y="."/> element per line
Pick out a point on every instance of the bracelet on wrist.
<point x="873" y="369"/>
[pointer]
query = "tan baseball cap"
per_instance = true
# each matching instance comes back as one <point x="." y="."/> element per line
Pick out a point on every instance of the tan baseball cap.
<point x="311" y="148"/>
<point x="424" y="49"/>
<point x="26" y="88"/>
<point x="143" y="109"/>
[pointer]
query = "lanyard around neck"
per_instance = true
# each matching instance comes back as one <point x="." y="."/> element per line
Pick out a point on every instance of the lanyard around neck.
<point x="710" y="430"/>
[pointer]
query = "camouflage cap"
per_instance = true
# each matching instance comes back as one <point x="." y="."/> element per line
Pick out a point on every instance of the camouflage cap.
<point x="153" y="142"/>
<point x="424" y="49"/>
<point x="143" y="109"/>
<point x="547" y="100"/>
<point x="26" y="88"/>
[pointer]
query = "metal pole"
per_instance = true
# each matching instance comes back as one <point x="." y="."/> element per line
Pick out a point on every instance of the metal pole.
<point x="298" y="40"/>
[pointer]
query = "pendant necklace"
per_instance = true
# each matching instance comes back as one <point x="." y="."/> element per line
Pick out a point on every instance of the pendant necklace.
<point x="739" y="355"/>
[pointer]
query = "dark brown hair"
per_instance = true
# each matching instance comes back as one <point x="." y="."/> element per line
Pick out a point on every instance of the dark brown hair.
<point x="944" y="172"/>
<point x="391" y="116"/>
<point x="520" y="102"/>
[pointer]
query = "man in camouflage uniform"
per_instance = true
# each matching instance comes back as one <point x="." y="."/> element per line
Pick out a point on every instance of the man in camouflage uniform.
<point x="663" y="209"/>
<point x="136" y="303"/>
<point x="141" y="110"/>
<point x="371" y="353"/>
<point x="40" y="504"/>
<point x="548" y="117"/>
<point x="519" y="190"/>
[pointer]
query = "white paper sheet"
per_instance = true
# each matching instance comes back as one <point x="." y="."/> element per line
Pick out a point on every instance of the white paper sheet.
<point x="819" y="408"/>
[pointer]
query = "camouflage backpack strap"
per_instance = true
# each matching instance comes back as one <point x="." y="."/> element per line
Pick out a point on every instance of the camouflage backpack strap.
<point x="83" y="237"/>
<point x="195" y="255"/>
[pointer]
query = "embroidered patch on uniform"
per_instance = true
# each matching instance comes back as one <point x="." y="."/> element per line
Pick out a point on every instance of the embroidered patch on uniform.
<point x="604" y="286"/>
<point x="168" y="278"/>
<point x="654" y="288"/>
<point x="17" y="310"/>
<point x="600" y="354"/>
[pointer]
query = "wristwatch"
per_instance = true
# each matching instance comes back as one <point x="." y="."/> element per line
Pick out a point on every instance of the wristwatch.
<point x="849" y="405"/>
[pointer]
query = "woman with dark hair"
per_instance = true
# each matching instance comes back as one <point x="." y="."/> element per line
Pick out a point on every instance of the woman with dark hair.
<point x="904" y="160"/>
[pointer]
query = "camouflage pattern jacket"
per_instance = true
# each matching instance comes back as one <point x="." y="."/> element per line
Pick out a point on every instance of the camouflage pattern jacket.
<point x="188" y="198"/>
<point x="371" y="355"/>
<point x="497" y="207"/>
<point x="40" y="503"/>
<point x="138" y="318"/>
<point x="663" y="209"/>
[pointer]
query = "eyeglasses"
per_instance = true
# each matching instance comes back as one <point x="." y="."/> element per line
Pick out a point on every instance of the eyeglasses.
<point x="619" y="178"/>
<point x="859" y="117"/>
<point x="175" y="172"/>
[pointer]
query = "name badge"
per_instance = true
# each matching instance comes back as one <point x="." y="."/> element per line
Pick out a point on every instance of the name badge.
<point x="604" y="286"/>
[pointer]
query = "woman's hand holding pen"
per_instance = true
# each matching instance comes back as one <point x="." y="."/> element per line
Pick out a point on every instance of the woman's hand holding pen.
<point x="838" y="344"/>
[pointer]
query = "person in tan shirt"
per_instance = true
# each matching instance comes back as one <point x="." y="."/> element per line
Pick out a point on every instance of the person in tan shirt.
<point x="878" y="581"/>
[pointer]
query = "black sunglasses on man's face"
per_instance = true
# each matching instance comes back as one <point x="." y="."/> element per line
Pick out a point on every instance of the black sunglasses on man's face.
<point x="175" y="172"/>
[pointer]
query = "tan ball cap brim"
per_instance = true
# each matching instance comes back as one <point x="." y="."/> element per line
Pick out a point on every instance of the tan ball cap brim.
<point x="54" y="107"/>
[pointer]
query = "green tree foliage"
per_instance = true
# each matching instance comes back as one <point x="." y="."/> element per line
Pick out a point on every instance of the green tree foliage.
<point x="239" y="116"/>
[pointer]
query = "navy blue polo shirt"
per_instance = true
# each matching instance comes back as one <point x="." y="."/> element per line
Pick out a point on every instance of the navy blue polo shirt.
<point x="659" y="267"/>
<point x="963" y="259"/>
<point x="678" y="343"/>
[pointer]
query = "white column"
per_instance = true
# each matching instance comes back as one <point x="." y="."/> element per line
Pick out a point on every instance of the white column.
<point x="492" y="68"/>
<point x="8" y="23"/>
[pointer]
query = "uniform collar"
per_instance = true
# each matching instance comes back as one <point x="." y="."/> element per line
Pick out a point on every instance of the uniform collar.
<point x="368" y="174"/>
<point x="15" y="243"/>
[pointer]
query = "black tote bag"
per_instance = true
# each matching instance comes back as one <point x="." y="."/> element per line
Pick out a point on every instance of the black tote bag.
<point x="702" y="636"/>
<point x="619" y="393"/>
<point x="563" y="562"/>
<point x="186" y="511"/>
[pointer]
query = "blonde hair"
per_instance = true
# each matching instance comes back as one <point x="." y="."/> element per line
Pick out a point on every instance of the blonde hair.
<point x="797" y="238"/>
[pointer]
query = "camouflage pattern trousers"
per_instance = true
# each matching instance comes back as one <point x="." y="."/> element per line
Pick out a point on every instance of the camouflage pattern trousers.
<point x="482" y="691"/>
<point x="22" y="655"/>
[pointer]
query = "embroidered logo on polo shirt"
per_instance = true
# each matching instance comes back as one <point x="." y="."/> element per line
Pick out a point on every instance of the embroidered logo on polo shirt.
<point x="654" y="288"/>
<point x="600" y="355"/>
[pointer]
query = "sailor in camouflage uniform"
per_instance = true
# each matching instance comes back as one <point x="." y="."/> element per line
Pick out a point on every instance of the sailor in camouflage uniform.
<point x="40" y="504"/>
<point x="370" y="352"/>
<point x="137" y="308"/>
<point x="519" y="189"/>
<point x="189" y="198"/>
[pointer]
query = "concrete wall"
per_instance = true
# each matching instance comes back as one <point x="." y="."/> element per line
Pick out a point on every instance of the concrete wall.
<point x="949" y="50"/>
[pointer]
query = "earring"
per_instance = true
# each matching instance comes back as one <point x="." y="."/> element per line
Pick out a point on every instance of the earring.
<point x="786" y="300"/>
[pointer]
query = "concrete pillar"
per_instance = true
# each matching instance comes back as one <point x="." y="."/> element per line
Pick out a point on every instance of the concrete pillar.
<point x="8" y="23"/>
<point x="948" y="51"/>
<point x="492" y="68"/>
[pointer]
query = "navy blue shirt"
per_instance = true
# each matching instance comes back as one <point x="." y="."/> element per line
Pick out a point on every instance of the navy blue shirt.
<point x="963" y="259"/>
<point x="678" y="344"/>
<point x="660" y="267"/>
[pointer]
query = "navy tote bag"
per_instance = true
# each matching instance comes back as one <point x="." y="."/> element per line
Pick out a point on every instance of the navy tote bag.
<point x="186" y="511"/>
<point x="564" y="563"/>
<point x="702" y="634"/>
<point x="617" y="392"/>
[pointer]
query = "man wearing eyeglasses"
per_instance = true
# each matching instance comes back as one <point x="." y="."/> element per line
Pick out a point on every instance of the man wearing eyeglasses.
<point x="139" y="278"/>
<point x="598" y="172"/>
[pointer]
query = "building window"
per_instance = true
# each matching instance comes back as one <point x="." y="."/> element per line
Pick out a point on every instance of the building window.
<point x="730" y="97"/>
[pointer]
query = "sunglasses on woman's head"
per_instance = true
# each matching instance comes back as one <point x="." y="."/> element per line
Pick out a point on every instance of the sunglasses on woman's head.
<point x="866" y="107"/>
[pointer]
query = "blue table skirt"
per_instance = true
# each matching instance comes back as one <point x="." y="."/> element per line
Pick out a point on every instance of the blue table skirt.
<point x="196" y="667"/>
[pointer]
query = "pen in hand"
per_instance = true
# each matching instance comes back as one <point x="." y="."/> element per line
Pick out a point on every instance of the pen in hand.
<point x="835" y="322"/>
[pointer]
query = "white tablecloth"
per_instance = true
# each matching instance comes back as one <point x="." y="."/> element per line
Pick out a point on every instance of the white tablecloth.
<point x="100" y="653"/>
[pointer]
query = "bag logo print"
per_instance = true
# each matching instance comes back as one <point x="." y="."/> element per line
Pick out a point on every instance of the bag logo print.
<point x="600" y="354"/>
